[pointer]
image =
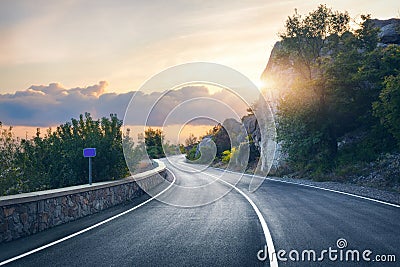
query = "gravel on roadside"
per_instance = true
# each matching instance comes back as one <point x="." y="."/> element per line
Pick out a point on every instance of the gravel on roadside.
<point x="387" y="196"/>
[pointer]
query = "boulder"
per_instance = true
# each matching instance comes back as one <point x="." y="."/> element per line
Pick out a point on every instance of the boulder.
<point x="207" y="150"/>
<point x="389" y="34"/>
<point x="205" y="144"/>
<point x="235" y="130"/>
<point x="252" y="129"/>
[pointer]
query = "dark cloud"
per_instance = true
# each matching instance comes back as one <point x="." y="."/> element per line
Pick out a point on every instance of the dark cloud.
<point x="183" y="105"/>
<point x="53" y="104"/>
<point x="44" y="105"/>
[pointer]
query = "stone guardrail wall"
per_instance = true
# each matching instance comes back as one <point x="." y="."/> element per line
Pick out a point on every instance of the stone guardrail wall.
<point x="26" y="214"/>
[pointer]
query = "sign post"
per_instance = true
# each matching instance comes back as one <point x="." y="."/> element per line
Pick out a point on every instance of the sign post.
<point x="89" y="153"/>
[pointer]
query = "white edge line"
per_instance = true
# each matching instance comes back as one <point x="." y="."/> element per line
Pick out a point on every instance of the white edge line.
<point x="88" y="228"/>
<point x="316" y="187"/>
<point x="339" y="192"/>
<point x="267" y="233"/>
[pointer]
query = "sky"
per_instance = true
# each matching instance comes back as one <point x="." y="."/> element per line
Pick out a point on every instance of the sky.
<point x="67" y="56"/>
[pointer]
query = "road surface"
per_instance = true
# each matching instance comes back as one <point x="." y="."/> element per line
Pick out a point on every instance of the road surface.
<point x="225" y="232"/>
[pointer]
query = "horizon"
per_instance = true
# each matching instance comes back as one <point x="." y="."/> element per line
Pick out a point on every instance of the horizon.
<point x="28" y="132"/>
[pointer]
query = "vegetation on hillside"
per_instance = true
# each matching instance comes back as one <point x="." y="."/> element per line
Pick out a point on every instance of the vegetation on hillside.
<point x="55" y="159"/>
<point x="216" y="148"/>
<point x="347" y="88"/>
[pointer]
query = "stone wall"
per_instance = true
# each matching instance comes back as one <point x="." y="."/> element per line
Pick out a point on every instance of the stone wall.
<point x="26" y="214"/>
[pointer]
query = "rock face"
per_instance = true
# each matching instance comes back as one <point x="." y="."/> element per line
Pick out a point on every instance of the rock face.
<point x="389" y="31"/>
<point x="261" y="128"/>
<point x="205" y="143"/>
<point x="236" y="131"/>
<point x="279" y="73"/>
<point x="251" y="125"/>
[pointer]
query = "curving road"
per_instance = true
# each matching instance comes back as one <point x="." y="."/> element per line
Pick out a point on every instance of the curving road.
<point x="225" y="232"/>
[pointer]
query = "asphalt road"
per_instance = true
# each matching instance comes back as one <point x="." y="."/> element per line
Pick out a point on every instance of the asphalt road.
<point x="225" y="232"/>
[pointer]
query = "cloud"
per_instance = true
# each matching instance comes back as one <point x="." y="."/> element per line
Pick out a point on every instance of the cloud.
<point x="44" y="105"/>
<point x="53" y="104"/>
<point x="187" y="104"/>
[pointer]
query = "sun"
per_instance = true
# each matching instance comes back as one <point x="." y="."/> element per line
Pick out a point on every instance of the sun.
<point x="261" y="84"/>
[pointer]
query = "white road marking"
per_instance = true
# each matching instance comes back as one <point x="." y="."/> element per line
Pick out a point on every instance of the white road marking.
<point x="339" y="192"/>
<point x="317" y="187"/>
<point x="88" y="228"/>
<point x="267" y="233"/>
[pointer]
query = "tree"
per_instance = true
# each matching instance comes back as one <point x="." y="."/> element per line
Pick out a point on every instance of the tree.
<point x="191" y="140"/>
<point x="388" y="106"/>
<point x="304" y="38"/>
<point x="305" y="123"/>
<point x="10" y="173"/>
<point x="299" y="130"/>
<point x="171" y="149"/>
<point x="153" y="141"/>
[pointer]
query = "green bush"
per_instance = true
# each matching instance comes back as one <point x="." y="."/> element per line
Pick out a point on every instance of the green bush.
<point x="55" y="159"/>
<point x="191" y="154"/>
<point x="388" y="106"/>
<point x="226" y="156"/>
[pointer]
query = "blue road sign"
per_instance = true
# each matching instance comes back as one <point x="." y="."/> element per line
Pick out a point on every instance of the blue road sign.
<point x="89" y="152"/>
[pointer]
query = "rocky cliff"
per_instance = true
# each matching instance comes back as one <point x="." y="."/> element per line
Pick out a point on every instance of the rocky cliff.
<point x="279" y="74"/>
<point x="389" y="31"/>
